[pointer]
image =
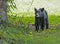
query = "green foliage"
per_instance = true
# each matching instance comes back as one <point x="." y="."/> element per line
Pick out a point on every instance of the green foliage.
<point x="18" y="33"/>
<point x="10" y="5"/>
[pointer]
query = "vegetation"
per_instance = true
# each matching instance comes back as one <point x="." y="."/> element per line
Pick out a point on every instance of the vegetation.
<point x="18" y="29"/>
<point x="16" y="33"/>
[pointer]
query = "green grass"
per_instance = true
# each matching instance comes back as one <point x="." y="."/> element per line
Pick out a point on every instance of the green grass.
<point x="16" y="34"/>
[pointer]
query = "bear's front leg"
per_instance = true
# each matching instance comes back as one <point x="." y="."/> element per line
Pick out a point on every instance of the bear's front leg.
<point x="37" y="27"/>
<point x="37" y="22"/>
<point x="42" y="26"/>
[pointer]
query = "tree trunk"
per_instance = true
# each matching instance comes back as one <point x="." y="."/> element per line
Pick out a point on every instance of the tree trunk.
<point x="3" y="13"/>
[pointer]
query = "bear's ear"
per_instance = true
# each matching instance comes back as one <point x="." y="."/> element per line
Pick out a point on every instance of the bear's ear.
<point x="35" y="9"/>
<point x="42" y="9"/>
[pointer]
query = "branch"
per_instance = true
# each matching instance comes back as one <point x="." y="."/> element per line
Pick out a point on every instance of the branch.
<point x="30" y="6"/>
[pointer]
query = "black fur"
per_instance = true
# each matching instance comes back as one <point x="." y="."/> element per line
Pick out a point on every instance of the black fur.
<point x="41" y="19"/>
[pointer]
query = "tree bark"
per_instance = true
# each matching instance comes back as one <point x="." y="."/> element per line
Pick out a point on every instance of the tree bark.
<point x="3" y="13"/>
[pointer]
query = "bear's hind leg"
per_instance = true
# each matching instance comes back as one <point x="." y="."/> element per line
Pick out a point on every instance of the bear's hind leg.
<point x="47" y="24"/>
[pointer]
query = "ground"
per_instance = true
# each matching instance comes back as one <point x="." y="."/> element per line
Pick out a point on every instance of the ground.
<point x="17" y="34"/>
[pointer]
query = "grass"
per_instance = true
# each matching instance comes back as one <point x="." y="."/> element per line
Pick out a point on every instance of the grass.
<point x="20" y="34"/>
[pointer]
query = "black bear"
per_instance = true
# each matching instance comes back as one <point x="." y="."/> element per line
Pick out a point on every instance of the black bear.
<point x="41" y="18"/>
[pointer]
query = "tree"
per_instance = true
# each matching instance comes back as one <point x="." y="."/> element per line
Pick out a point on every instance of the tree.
<point x="3" y="12"/>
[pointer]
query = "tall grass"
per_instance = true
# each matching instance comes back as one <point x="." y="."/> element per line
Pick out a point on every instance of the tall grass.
<point x="16" y="33"/>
